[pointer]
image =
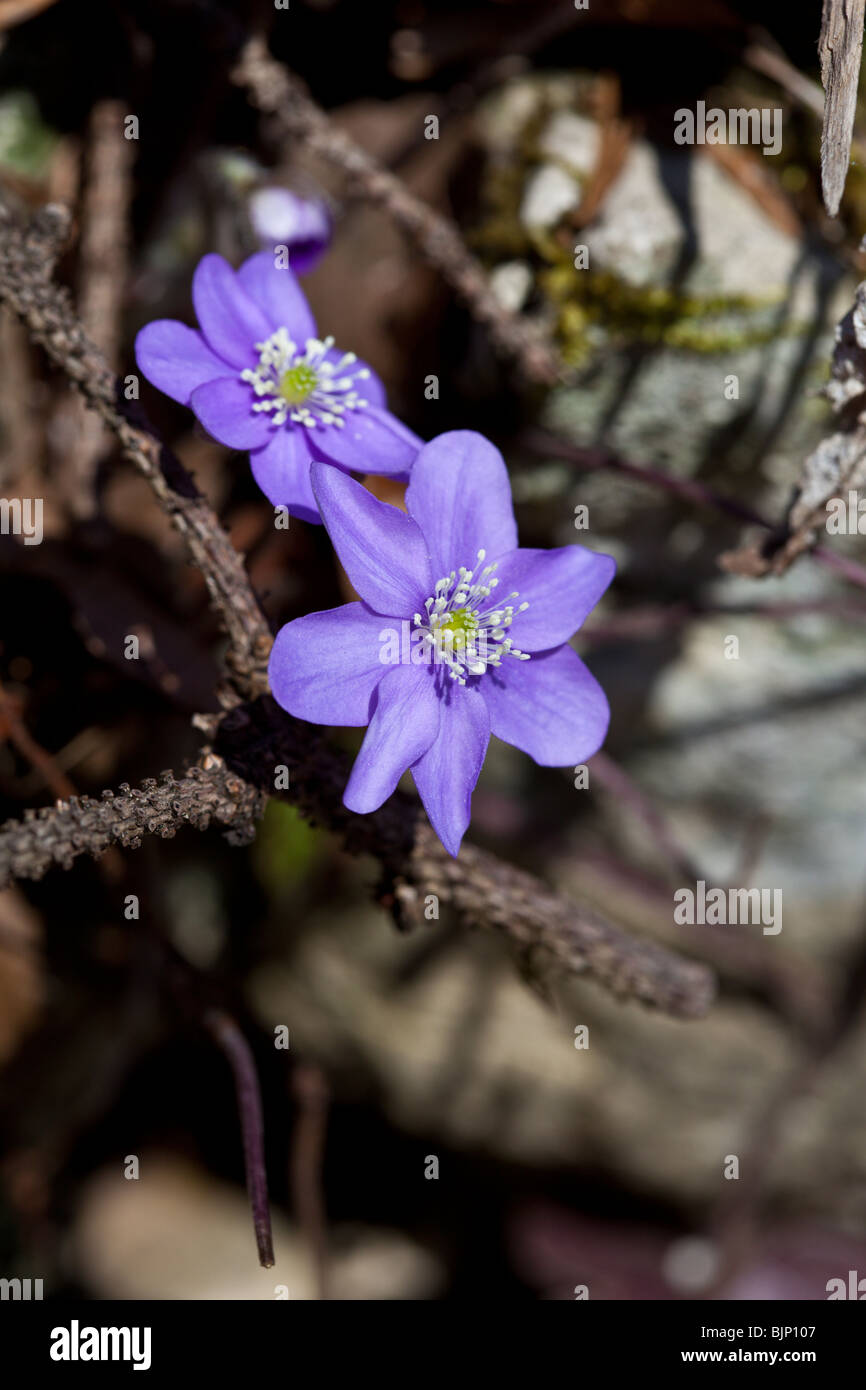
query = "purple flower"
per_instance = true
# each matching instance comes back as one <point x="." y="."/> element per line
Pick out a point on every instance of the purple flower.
<point x="281" y="218"/>
<point x="259" y="379"/>
<point x="446" y="646"/>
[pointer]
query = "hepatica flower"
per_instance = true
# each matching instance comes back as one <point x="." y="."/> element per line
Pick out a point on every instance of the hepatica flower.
<point x="458" y="635"/>
<point x="259" y="379"/>
<point x="282" y="218"/>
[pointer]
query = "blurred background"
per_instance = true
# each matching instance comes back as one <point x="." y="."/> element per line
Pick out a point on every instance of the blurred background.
<point x="557" y="1166"/>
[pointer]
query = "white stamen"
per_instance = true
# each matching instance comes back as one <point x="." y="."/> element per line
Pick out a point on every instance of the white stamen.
<point x="480" y="640"/>
<point x="330" y="397"/>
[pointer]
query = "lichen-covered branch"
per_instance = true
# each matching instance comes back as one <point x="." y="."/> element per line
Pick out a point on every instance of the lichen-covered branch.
<point x="837" y="464"/>
<point x="552" y="934"/>
<point x="27" y="256"/>
<point x="57" y="835"/>
<point x="553" y="937"/>
<point x="279" y="95"/>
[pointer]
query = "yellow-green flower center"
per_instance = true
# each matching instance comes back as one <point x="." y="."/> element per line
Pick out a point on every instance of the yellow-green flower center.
<point x="298" y="383"/>
<point x="311" y="386"/>
<point x="461" y="624"/>
<point x="459" y="627"/>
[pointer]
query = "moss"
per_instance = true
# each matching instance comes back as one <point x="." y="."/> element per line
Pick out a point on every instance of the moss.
<point x="26" y="143"/>
<point x="600" y="300"/>
<point x="590" y="306"/>
<point x="286" y="848"/>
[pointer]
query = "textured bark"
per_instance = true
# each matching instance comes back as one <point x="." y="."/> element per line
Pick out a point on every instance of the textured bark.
<point x="835" y="466"/>
<point x="57" y="835"/>
<point x="552" y="935"/>
<point x="839" y="49"/>
<point x="27" y="257"/>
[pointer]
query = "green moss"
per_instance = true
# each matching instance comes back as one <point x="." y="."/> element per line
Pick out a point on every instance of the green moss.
<point x="286" y="848"/>
<point x="587" y="300"/>
<point x="590" y="305"/>
<point x="26" y="143"/>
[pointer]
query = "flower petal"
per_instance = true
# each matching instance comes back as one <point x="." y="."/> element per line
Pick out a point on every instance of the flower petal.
<point x="446" y="774"/>
<point x="550" y="706"/>
<point x="325" y="667"/>
<point x="231" y="321"/>
<point x="460" y="496"/>
<point x="282" y="470"/>
<point x="371" y="441"/>
<point x="278" y="295"/>
<point x="381" y="549"/>
<point x="305" y="255"/>
<point x="282" y="218"/>
<point x="404" y="724"/>
<point x="176" y="359"/>
<point x="225" y="408"/>
<point x="561" y="587"/>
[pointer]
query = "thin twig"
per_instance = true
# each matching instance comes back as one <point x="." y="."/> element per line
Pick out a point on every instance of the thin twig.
<point x="591" y="459"/>
<point x="278" y="94"/>
<point x="102" y="277"/>
<point x="616" y="780"/>
<point x="750" y="561"/>
<point x="310" y="1089"/>
<point x="35" y="754"/>
<point x="764" y="56"/>
<point x="835" y="467"/>
<point x="234" y="1045"/>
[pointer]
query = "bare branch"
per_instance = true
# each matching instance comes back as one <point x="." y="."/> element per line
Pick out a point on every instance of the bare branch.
<point x="27" y="256"/>
<point x="839" y="48"/>
<point x="554" y="937"/>
<point x="837" y="464"/>
<point x="751" y="561"/>
<point x="58" y="834"/>
<point x="36" y="755"/>
<point x="552" y="934"/>
<point x="102" y="277"/>
<point x="277" y="93"/>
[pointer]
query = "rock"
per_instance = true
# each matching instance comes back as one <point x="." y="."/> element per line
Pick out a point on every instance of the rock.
<point x="511" y="284"/>
<point x="572" y="140"/>
<point x="177" y="1233"/>
<point x="549" y="193"/>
